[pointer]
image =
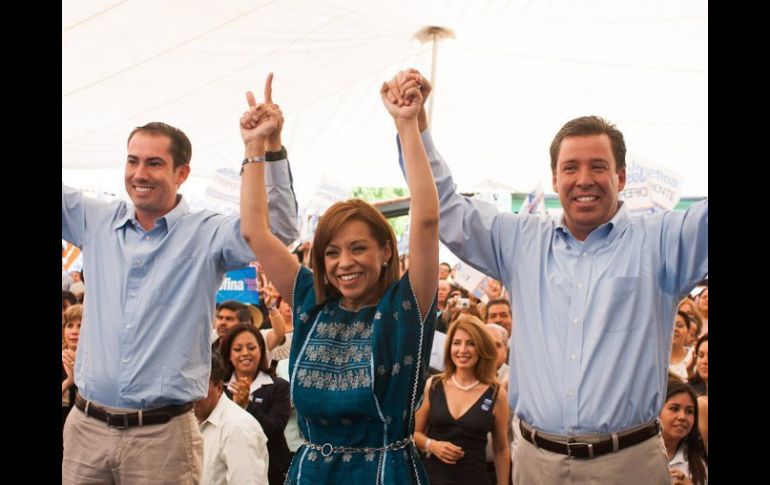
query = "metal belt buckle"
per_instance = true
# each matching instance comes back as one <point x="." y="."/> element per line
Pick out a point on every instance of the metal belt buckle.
<point x="117" y="422"/>
<point x="331" y="449"/>
<point x="588" y="446"/>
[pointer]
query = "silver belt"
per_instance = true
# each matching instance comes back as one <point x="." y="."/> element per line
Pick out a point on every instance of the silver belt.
<point x="327" y="449"/>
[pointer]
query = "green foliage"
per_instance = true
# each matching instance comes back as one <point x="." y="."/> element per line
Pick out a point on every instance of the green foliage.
<point x="374" y="194"/>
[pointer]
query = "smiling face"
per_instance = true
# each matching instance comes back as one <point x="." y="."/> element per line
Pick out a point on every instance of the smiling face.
<point x="245" y="354"/>
<point x="587" y="182"/>
<point x="354" y="261"/>
<point x="677" y="417"/>
<point x="463" y="350"/>
<point x="150" y="177"/>
<point x="500" y="314"/>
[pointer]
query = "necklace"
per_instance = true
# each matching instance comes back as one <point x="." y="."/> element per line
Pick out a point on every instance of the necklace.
<point x="465" y="388"/>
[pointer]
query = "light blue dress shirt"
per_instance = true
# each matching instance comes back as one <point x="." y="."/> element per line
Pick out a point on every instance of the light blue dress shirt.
<point x="594" y="319"/>
<point x="145" y="340"/>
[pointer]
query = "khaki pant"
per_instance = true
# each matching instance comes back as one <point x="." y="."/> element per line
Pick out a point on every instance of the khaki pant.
<point x="643" y="464"/>
<point x="161" y="453"/>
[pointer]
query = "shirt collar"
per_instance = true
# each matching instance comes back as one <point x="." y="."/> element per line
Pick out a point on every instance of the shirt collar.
<point x="614" y="226"/>
<point x="678" y="457"/>
<point x="216" y="416"/>
<point x="262" y="379"/>
<point x="180" y="210"/>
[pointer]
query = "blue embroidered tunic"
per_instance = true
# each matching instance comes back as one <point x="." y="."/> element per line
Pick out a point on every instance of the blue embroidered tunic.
<point x="357" y="378"/>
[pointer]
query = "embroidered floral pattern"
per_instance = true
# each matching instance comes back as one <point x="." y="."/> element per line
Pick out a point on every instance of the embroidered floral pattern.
<point x="333" y="381"/>
<point x="338" y="356"/>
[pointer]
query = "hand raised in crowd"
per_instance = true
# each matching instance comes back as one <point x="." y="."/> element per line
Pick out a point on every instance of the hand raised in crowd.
<point x="240" y="389"/>
<point x="268" y="293"/>
<point x="261" y="120"/>
<point x="403" y="81"/>
<point x="493" y="289"/>
<point x="273" y="142"/>
<point x="446" y="451"/>
<point x="412" y="97"/>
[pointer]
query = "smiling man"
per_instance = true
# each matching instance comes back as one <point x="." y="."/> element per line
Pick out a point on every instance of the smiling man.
<point x="594" y="295"/>
<point x="153" y="268"/>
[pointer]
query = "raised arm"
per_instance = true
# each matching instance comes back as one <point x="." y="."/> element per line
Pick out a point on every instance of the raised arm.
<point x="470" y="228"/>
<point x="278" y="182"/>
<point x="423" y="209"/>
<point x="257" y="124"/>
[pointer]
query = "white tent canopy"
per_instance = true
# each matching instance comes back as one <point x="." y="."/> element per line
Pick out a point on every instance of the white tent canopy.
<point x="513" y="74"/>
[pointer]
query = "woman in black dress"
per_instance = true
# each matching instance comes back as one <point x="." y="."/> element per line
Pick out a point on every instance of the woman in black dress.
<point x="461" y="406"/>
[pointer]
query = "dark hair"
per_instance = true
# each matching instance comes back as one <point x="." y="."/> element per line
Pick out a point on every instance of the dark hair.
<point x="241" y="310"/>
<point x="68" y="297"/>
<point x="181" y="148"/>
<point x="330" y="222"/>
<point x="498" y="301"/>
<point x="697" y="379"/>
<point x="685" y="317"/>
<point x="591" y="125"/>
<point x="227" y="345"/>
<point x="217" y="368"/>
<point x="694" y="451"/>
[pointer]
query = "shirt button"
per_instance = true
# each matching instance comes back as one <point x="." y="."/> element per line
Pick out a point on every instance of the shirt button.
<point x="132" y="294"/>
<point x="579" y="285"/>
<point x="138" y="262"/>
<point x="569" y="392"/>
<point x="574" y="320"/>
<point x="128" y="326"/>
<point x="582" y="255"/>
<point x="125" y="361"/>
<point x="147" y="238"/>
<point x="571" y="356"/>
<point x="570" y="430"/>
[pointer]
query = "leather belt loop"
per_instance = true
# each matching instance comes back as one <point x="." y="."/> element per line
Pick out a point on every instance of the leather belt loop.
<point x="615" y="443"/>
<point x="88" y="403"/>
<point x="140" y="417"/>
<point x="534" y="438"/>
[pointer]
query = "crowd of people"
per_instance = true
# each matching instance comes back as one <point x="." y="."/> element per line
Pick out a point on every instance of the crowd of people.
<point x="555" y="375"/>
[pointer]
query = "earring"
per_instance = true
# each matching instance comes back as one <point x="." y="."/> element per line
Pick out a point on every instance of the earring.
<point x="385" y="264"/>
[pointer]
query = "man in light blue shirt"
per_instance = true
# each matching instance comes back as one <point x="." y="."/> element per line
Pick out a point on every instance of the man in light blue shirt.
<point x="594" y="294"/>
<point x="153" y="269"/>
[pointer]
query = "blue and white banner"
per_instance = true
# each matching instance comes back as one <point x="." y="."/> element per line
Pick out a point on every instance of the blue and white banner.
<point x="239" y="285"/>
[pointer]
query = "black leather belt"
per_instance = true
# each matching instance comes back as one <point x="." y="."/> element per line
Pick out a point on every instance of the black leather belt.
<point x="583" y="449"/>
<point x="135" y="418"/>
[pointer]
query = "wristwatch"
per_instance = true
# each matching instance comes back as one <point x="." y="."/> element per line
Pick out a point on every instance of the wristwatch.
<point x="274" y="156"/>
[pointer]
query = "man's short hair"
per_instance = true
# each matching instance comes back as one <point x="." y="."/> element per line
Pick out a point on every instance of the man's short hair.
<point x="181" y="148"/>
<point x="591" y="125"/>
<point x="499" y="301"/>
<point x="241" y="310"/>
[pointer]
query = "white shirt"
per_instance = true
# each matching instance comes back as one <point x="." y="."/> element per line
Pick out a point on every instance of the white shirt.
<point x="234" y="446"/>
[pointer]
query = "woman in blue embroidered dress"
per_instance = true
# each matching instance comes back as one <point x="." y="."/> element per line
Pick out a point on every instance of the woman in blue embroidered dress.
<point x="362" y="336"/>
